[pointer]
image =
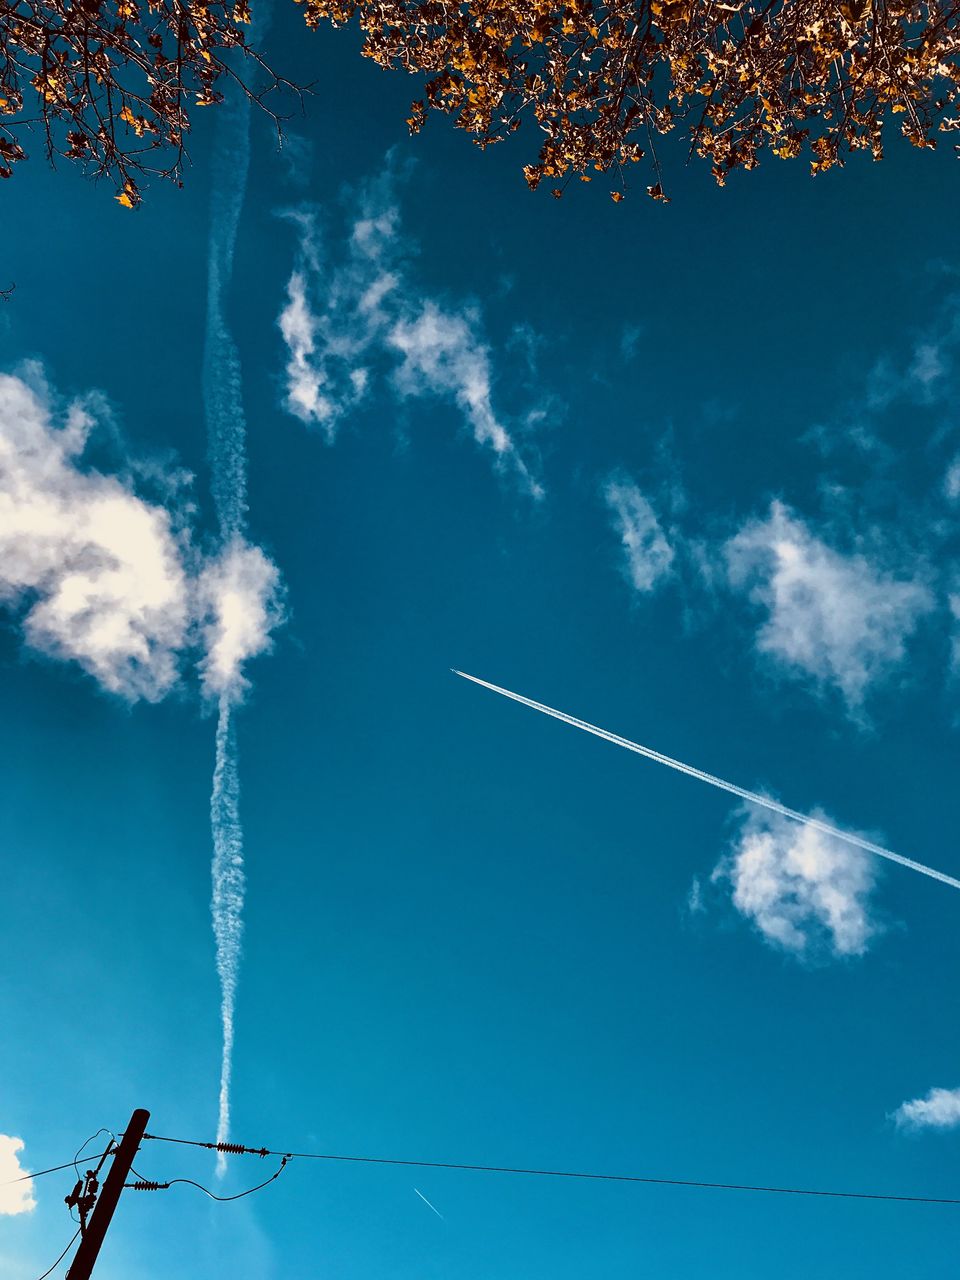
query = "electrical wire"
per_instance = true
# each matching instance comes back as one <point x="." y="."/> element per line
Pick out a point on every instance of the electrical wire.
<point x="232" y="1148"/>
<point x="63" y="1255"/>
<point x="146" y="1184"/>
<point x="57" y="1168"/>
<point x="113" y="1139"/>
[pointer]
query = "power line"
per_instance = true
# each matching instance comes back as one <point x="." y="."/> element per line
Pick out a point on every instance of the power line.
<point x="57" y="1168"/>
<point x="233" y="1148"/>
<point x="113" y="1139"/>
<point x="146" y="1184"/>
<point x="64" y="1254"/>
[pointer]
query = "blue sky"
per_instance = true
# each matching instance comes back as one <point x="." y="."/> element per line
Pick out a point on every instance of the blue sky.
<point x="688" y="472"/>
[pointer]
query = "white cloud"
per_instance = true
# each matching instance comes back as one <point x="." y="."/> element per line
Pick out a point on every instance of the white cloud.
<point x="647" y="553"/>
<point x="321" y="384"/>
<point x="101" y="576"/>
<point x="240" y="607"/>
<point x="343" y="321"/>
<point x="951" y="482"/>
<point x="305" y="398"/>
<point x="98" y="570"/>
<point x="835" y="617"/>
<point x="19" y="1197"/>
<point x="805" y="892"/>
<point x="940" y="1109"/>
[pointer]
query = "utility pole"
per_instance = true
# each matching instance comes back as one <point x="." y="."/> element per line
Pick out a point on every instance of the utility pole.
<point x="92" y="1238"/>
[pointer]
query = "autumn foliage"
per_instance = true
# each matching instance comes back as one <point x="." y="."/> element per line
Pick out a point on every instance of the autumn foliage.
<point x="112" y="83"/>
<point x="603" y="81"/>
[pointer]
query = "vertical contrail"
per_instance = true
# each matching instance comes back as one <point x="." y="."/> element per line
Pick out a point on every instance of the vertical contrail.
<point x="753" y="797"/>
<point x="226" y="434"/>
<point x="227" y="902"/>
<point x="222" y="385"/>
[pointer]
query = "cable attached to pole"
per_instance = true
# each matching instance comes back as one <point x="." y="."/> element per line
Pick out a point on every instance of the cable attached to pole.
<point x="145" y="1184"/>
<point x="65" y="1252"/>
<point x="234" y="1148"/>
<point x="57" y="1168"/>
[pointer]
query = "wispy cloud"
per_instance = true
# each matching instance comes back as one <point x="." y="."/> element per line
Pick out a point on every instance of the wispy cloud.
<point x="695" y="903"/>
<point x="648" y="555"/>
<point x="352" y="318"/>
<point x="838" y="618"/>
<point x="924" y="376"/>
<point x="630" y="336"/>
<point x="806" y="892"/>
<point x="953" y="603"/>
<point x="17" y="1198"/>
<point x="334" y="318"/>
<point x="443" y="355"/>
<point x="939" y="1109"/>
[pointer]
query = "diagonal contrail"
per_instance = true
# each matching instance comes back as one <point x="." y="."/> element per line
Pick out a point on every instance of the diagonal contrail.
<point x="429" y="1205"/>
<point x="764" y="801"/>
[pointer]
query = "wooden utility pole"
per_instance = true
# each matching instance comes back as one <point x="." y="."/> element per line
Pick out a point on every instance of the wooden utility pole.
<point x="92" y="1238"/>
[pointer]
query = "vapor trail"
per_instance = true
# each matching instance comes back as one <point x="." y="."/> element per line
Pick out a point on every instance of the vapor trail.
<point x="222" y="385"/>
<point x="226" y="436"/>
<point x="764" y="801"/>
<point x="429" y="1205"/>
<point x="227" y="903"/>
